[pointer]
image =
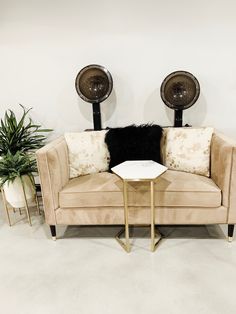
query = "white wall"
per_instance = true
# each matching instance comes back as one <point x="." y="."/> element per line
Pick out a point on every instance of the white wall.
<point x="43" y="45"/>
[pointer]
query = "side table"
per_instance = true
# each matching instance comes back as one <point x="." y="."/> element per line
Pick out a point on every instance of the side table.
<point x="138" y="170"/>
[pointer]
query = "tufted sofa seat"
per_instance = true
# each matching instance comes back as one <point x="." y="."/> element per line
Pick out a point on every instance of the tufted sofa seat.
<point x="173" y="188"/>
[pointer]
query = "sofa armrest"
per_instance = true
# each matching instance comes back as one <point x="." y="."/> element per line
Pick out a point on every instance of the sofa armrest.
<point x="223" y="171"/>
<point x="53" y="167"/>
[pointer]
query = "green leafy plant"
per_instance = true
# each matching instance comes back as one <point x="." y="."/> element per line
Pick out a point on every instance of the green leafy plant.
<point x="14" y="166"/>
<point x="22" y="135"/>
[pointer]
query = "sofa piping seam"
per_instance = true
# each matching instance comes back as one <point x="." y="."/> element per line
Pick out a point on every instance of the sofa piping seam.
<point x="85" y="192"/>
<point x="230" y="182"/>
<point x="50" y="184"/>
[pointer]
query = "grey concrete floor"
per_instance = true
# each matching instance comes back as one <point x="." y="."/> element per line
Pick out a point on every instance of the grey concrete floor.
<point x="86" y="271"/>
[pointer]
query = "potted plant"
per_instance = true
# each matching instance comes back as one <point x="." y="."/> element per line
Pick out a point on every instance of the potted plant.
<point x="16" y="173"/>
<point x="22" y="135"/>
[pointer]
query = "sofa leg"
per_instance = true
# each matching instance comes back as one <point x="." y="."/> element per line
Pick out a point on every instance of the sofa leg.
<point x="230" y="232"/>
<point x="53" y="232"/>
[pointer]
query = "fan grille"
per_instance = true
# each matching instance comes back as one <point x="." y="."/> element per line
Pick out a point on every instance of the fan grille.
<point x="94" y="83"/>
<point x="180" y="90"/>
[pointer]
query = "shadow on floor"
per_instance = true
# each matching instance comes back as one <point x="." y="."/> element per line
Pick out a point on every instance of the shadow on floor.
<point x="170" y="232"/>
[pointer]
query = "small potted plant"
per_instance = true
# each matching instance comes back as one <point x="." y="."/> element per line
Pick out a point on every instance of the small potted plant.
<point x="18" y="141"/>
<point x="16" y="173"/>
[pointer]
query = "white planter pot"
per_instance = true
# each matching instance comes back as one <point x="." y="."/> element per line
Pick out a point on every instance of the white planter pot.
<point x="14" y="192"/>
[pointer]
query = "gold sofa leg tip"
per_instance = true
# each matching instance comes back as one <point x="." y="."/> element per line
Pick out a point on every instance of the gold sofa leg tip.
<point x="230" y="239"/>
<point x="54" y="238"/>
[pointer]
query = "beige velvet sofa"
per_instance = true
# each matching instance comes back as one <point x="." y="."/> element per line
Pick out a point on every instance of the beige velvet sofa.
<point x="180" y="197"/>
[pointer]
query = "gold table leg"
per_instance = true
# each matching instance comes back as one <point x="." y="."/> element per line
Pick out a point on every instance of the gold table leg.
<point x="154" y="243"/>
<point x="26" y="203"/>
<point x="5" y="206"/>
<point x="126" y="244"/>
<point x="154" y="233"/>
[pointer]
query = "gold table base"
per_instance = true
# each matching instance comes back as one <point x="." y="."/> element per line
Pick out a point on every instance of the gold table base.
<point x="126" y="245"/>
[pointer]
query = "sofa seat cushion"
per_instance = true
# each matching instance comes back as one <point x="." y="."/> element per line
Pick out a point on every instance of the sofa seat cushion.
<point x="173" y="188"/>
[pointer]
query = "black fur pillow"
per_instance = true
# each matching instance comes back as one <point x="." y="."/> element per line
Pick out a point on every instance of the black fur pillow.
<point x="134" y="143"/>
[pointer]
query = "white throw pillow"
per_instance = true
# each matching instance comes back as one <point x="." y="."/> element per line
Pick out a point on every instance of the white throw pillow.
<point x="187" y="149"/>
<point x="88" y="152"/>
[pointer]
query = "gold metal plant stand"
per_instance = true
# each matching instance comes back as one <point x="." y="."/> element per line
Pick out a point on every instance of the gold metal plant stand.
<point x="126" y="245"/>
<point x="5" y="205"/>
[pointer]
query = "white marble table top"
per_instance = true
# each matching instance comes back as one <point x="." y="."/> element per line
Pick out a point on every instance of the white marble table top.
<point x="139" y="170"/>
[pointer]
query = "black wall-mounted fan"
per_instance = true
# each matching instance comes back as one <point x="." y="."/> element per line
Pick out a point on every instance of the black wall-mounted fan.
<point x="179" y="91"/>
<point x="94" y="84"/>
